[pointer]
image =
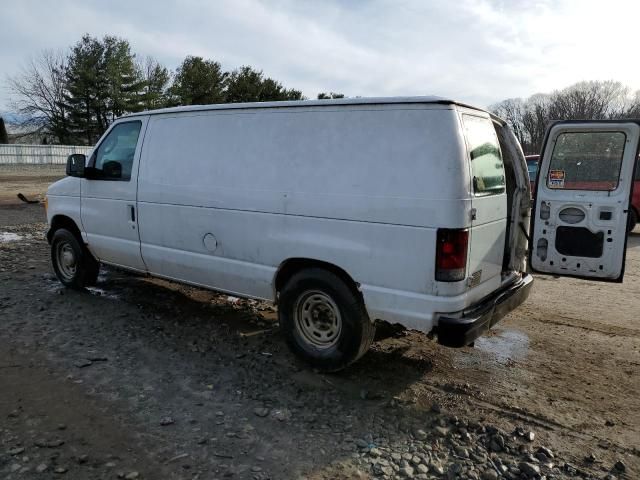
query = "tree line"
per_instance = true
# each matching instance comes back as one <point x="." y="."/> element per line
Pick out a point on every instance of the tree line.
<point x="74" y="96"/>
<point x="594" y="100"/>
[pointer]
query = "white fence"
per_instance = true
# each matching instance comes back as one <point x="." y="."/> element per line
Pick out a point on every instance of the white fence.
<point x="38" y="154"/>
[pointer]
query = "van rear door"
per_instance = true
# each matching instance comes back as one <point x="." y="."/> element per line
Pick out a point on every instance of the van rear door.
<point x="582" y="199"/>
<point x="488" y="201"/>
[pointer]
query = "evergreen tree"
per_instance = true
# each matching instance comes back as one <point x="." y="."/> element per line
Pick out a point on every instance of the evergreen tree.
<point x="102" y="83"/>
<point x="125" y="85"/>
<point x="198" y="82"/>
<point x="248" y="85"/>
<point x="330" y="95"/>
<point x="86" y="94"/>
<point x="74" y="97"/>
<point x="4" y="136"/>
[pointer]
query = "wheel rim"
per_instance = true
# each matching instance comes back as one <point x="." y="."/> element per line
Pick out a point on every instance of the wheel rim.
<point x="318" y="319"/>
<point x="66" y="260"/>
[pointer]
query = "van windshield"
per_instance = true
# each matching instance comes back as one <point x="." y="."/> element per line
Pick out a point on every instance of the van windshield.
<point x="484" y="151"/>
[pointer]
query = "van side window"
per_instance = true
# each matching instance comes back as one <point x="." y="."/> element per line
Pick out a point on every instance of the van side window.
<point x="114" y="156"/>
<point x="586" y="161"/>
<point x="484" y="152"/>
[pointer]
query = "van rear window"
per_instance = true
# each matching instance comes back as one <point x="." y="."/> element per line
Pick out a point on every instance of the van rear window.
<point x="484" y="152"/>
<point x="586" y="161"/>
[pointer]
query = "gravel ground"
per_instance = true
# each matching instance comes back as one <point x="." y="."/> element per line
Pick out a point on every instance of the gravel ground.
<point x="143" y="378"/>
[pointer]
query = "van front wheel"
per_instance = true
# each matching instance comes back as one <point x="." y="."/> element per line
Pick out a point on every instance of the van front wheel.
<point x="323" y="320"/>
<point x="74" y="265"/>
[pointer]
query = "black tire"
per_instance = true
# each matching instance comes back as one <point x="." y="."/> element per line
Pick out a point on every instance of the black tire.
<point x="350" y="342"/>
<point x="632" y="220"/>
<point x="74" y="265"/>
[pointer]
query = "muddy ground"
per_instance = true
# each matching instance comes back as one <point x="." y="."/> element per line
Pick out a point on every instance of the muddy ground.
<point x="142" y="378"/>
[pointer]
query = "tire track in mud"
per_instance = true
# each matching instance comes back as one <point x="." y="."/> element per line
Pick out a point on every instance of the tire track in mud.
<point x="610" y="330"/>
<point x="475" y="398"/>
<point x="539" y="420"/>
<point x="488" y="391"/>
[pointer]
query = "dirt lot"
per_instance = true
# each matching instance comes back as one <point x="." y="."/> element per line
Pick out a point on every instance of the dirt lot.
<point x="141" y="378"/>
<point x="30" y="180"/>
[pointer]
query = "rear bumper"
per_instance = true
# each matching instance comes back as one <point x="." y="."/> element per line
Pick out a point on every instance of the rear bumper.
<point x="462" y="328"/>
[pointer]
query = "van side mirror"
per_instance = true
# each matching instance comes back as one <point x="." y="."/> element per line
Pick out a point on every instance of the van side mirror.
<point x="75" y="165"/>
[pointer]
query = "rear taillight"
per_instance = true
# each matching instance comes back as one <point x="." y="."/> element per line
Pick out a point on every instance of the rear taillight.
<point x="451" y="254"/>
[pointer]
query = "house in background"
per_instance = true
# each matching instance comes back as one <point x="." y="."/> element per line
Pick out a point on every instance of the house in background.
<point x="27" y="135"/>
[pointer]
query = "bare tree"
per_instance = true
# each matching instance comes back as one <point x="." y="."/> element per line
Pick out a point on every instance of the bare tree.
<point x="595" y="100"/>
<point x="38" y="94"/>
<point x="631" y="108"/>
<point x="527" y="118"/>
<point x="589" y="101"/>
<point x="535" y="121"/>
<point x="512" y="110"/>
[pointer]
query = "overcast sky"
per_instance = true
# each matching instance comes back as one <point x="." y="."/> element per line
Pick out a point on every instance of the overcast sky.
<point x="478" y="51"/>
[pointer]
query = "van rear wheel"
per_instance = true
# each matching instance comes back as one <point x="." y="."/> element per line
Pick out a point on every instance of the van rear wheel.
<point x="74" y="265"/>
<point x="324" y="320"/>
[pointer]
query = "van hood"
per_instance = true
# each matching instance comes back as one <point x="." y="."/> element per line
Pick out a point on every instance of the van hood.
<point x="68" y="186"/>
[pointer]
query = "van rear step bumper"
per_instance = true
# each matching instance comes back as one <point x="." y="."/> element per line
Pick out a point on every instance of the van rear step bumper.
<point x="479" y="318"/>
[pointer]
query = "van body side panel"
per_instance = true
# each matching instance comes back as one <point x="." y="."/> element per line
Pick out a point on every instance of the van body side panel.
<point x="385" y="165"/>
<point x="64" y="195"/>
<point x="359" y="187"/>
<point x="246" y="263"/>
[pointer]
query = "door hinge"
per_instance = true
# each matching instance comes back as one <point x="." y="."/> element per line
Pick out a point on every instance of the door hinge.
<point x="472" y="213"/>
<point x="524" y="231"/>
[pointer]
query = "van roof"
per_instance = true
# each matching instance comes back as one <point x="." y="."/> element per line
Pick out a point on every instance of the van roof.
<point x="308" y="103"/>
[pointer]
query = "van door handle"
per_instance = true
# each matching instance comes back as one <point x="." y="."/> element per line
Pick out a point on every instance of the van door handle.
<point x="132" y="211"/>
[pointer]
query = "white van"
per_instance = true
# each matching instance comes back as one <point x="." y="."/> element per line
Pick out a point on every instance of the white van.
<point x="343" y="212"/>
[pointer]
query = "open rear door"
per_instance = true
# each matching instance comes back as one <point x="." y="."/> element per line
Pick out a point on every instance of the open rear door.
<point x="582" y="198"/>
